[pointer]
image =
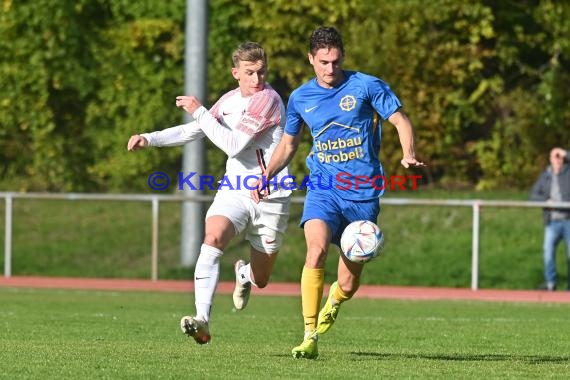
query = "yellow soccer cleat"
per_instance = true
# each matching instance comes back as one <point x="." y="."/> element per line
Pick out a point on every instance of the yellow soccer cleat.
<point x="329" y="312"/>
<point x="308" y="349"/>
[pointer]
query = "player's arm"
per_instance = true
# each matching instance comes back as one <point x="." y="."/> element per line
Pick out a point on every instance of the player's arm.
<point x="263" y="112"/>
<point x="175" y="136"/>
<point x="387" y="104"/>
<point x="283" y="154"/>
<point x="405" y="130"/>
<point x="232" y="142"/>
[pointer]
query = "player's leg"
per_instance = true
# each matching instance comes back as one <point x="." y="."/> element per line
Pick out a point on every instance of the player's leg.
<point x="321" y="216"/>
<point x="220" y="228"/>
<point x="267" y="223"/>
<point x="342" y="290"/>
<point x="256" y="272"/>
<point x="261" y="264"/>
<point x="317" y="236"/>
<point x="348" y="273"/>
<point x="218" y="232"/>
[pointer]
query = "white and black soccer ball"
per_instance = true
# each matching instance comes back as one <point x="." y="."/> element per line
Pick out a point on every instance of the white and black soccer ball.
<point x="361" y="241"/>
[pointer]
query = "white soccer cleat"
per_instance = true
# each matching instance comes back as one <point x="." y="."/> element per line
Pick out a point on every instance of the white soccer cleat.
<point x="196" y="328"/>
<point x="241" y="291"/>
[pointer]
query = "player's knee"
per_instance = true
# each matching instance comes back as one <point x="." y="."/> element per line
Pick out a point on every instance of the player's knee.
<point x="350" y="290"/>
<point x="214" y="240"/>
<point x="349" y="286"/>
<point x="316" y="257"/>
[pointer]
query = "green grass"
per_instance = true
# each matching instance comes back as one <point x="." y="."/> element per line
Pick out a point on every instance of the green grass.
<point x="425" y="245"/>
<point x="65" y="334"/>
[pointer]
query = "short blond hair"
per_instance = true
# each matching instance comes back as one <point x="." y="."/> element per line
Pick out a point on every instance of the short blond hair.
<point x="249" y="52"/>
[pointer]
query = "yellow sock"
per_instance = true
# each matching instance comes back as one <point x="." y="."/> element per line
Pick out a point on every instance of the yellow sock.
<point x="312" y="283"/>
<point x="339" y="295"/>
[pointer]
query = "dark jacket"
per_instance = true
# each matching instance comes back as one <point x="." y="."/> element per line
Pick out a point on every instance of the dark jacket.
<point x="541" y="188"/>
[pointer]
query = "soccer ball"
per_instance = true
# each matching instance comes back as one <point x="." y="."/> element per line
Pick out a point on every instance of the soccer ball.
<point x="361" y="241"/>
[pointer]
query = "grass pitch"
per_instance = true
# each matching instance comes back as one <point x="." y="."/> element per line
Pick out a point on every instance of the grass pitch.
<point x="63" y="334"/>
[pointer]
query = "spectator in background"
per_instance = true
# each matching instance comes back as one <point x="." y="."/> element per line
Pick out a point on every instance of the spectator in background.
<point x="553" y="185"/>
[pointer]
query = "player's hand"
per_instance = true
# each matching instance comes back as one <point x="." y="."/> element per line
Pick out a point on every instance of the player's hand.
<point x="188" y="103"/>
<point x="257" y="191"/>
<point x="136" y="142"/>
<point x="411" y="162"/>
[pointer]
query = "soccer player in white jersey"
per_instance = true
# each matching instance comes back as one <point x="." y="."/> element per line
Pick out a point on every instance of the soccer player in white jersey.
<point x="342" y="111"/>
<point x="247" y="124"/>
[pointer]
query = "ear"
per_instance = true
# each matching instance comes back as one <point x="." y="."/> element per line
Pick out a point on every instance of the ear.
<point x="311" y="60"/>
<point x="235" y="73"/>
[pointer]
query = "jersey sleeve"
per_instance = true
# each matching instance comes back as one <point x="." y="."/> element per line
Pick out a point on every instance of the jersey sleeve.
<point x="263" y="112"/>
<point x="383" y="99"/>
<point x="231" y="142"/>
<point x="215" y="110"/>
<point x="179" y="135"/>
<point x="294" y="121"/>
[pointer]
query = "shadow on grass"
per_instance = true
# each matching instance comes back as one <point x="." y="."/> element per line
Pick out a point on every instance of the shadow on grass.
<point x="535" y="359"/>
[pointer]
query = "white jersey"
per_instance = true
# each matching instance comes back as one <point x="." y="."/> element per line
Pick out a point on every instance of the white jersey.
<point x="247" y="129"/>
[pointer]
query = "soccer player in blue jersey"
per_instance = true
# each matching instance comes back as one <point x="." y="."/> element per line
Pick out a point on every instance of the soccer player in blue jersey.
<point x="342" y="110"/>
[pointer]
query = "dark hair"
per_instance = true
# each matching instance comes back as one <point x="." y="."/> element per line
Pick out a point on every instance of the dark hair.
<point x="249" y="52"/>
<point x="325" y="37"/>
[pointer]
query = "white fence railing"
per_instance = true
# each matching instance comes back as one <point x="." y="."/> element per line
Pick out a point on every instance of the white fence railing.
<point x="155" y="200"/>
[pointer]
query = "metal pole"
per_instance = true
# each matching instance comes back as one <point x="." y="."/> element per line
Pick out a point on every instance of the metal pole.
<point x="475" y="247"/>
<point x="154" y="249"/>
<point x="196" y="55"/>
<point x="8" y="237"/>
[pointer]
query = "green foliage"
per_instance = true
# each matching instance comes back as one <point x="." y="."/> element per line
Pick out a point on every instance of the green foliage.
<point x="532" y="115"/>
<point x="140" y="78"/>
<point x="485" y="82"/>
<point x="46" y="79"/>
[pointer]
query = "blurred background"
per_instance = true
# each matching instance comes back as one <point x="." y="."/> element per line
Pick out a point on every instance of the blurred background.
<point x="486" y="84"/>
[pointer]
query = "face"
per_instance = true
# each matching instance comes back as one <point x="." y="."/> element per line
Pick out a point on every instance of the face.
<point x="251" y="76"/>
<point x="327" y="64"/>
<point x="556" y="161"/>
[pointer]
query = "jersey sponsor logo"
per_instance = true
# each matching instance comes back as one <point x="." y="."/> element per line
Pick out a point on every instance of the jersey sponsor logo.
<point x="339" y="143"/>
<point x="346" y="149"/>
<point x="307" y="110"/>
<point x="333" y="125"/>
<point x="342" y="156"/>
<point x="249" y="125"/>
<point x="347" y="103"/>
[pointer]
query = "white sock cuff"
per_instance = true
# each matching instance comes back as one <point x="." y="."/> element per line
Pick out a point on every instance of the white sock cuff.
<point x="212" y="251"/>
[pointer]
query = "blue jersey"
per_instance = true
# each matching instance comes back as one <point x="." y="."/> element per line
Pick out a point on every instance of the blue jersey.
<point x="344" y="122"/>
